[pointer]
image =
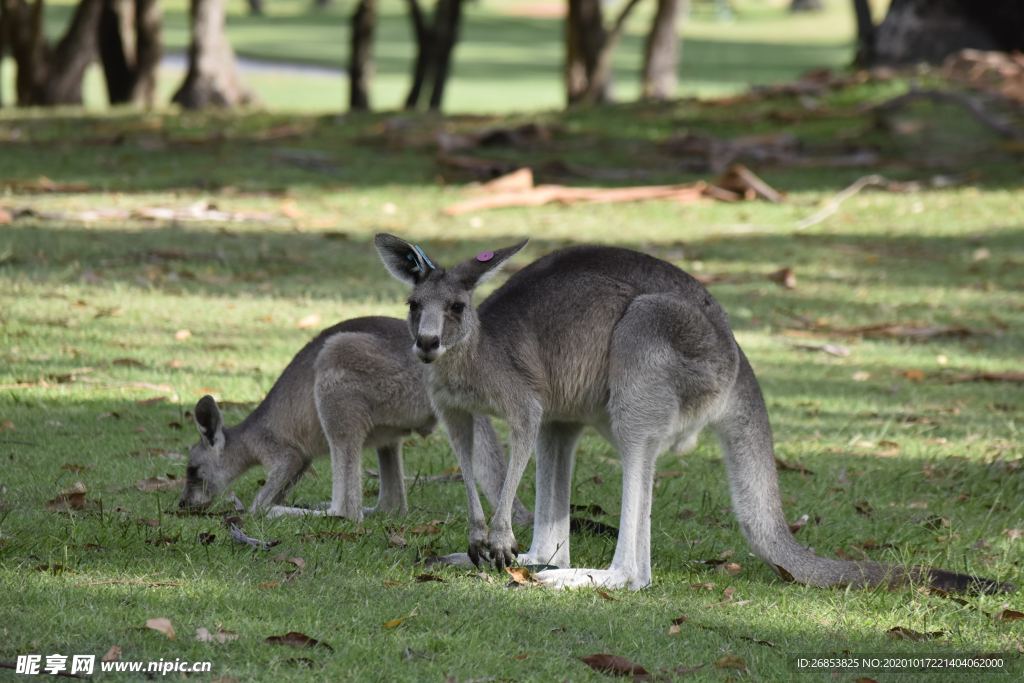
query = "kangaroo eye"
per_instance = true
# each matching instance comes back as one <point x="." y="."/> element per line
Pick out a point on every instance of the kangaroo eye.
<point x="458" y="308"/>
<point x="413" y="307"/>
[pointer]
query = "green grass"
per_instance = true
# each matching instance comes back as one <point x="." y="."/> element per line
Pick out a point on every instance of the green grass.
<point x="77" y="294"/>
<point x="502" y="63"/>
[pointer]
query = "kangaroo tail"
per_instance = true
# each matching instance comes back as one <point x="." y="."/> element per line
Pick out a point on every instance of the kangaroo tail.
<point x="746" y="438"/>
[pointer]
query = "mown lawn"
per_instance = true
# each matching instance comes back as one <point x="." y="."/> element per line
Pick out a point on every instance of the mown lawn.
<point x="902" y="461"/>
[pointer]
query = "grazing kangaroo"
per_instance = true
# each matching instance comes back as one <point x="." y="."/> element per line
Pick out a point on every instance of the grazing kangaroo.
<point x="356" y="385"/>
<point x="632" y="346"/>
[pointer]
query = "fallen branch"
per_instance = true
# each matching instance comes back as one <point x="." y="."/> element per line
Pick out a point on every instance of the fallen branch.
<point x="987" y="377"/>
<point x="152" y="584"/>
<point x="238" y="535"/>
<point x="894" y="331"/>
<point x="544" y="194"/>
<point x="992" y="122"/>
<point x="833" y="205"/>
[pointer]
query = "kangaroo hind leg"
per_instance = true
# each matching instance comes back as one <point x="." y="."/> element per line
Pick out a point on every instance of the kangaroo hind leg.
<point x="556" y="453"/>
<point x="391" y="499"/>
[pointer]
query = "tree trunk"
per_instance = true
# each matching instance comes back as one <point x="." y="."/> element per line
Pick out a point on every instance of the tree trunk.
<point x="360" y="66"/>
<point x="448" y="16"/>
<point x="130" y="49"/>
<point x="50" y="75"/>
<point x="435" y="44"/>
<point x="424" y="46"/>
<point x="3" y="48"/>
<point x="930" y="30"/>
<point x="599" y="84"/>
<point x="805" y="6"/>
<point x="865" y="34"/>
<point x="661" y="56"/>
<point x="585" y="35"/>
<point x="212" y="78"/>
<point x="589" y="49"/>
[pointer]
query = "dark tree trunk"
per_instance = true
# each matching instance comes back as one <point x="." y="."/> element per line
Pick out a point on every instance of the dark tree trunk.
<point x="360" y="65"/>
<point x="448" y="16"/>
<point x="865" y="34"/>
<point x="434" y="46"/>
<point x="585" y="35"/>
<point x="805" y="6"/>
<point x="256" y="7"/>
<point x="661" y="56"/>
<point x="590" y="49"/>
<point x="3" y="48"/>
<point x="930" y="30"/>
<point x="424" y="42"/>
<point x="50" y="75"/>
<point x="130" y="49"/>
<point x="212" y="78"/>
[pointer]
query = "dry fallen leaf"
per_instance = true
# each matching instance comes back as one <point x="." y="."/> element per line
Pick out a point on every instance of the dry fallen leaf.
<point x="391" y="583"/>
<point x="861" y="376"/>
<point x="914" y="375"/>
<point x="614" y="665"/>
<point x="159" y="484"/>
<point x="425" y="530"/>
<point x="730" y="662"/>
<point x="523" y="656"/>
<point x="1014" y="534"/>
<point x="397" y="540"/>
<point x="785" y="278"/>
<point x="296" y="639"/>
<point x="73" y="501"/>
<point x="481" y="575"/>
<point x="427" y="578"/>
<point x="311" y="320"/>
<point x="77" y="487"/>
<point x="601" y="592"/>
<point x="161" y="624"/>
<point x="730" y="568"/>
<point x="269" y="584"/>
<point x="395" y="622"/>
<point x="182" y="334"/>
<point x="903" y="633"/>
<point x="520" y="575"/>
<point x="674" y="629"/>
<point x="113" y="654"/>
<point x="1009" y="615"/>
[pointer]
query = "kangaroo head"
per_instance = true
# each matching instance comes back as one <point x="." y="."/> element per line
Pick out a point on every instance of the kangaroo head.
<point x="441" y="312"/>
<point x="206" y="476"/>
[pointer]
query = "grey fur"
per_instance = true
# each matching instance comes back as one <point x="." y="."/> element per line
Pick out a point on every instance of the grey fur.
<point x="639" y="350"/>
<point x="355" y="386"/>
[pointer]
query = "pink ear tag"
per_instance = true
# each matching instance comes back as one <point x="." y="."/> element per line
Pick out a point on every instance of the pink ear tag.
<point x="485" y="256"/>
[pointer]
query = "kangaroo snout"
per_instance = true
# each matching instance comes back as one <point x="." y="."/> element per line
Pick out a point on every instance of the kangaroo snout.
<point x="427" y="347"/>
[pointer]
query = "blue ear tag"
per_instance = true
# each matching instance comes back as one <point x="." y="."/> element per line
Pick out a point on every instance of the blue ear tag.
<point x="416" y="261"/>
<point x="424" y="257"/>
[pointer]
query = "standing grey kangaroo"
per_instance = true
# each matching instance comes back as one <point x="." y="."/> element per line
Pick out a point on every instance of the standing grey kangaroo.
<point x="356" y="385"/>
<point x="632" y="346"/>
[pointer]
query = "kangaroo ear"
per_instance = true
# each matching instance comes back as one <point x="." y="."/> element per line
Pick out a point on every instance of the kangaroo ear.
<point x="475" y="271"/>
<point x="406" y="262"/>
<point x="209" y="422"/>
